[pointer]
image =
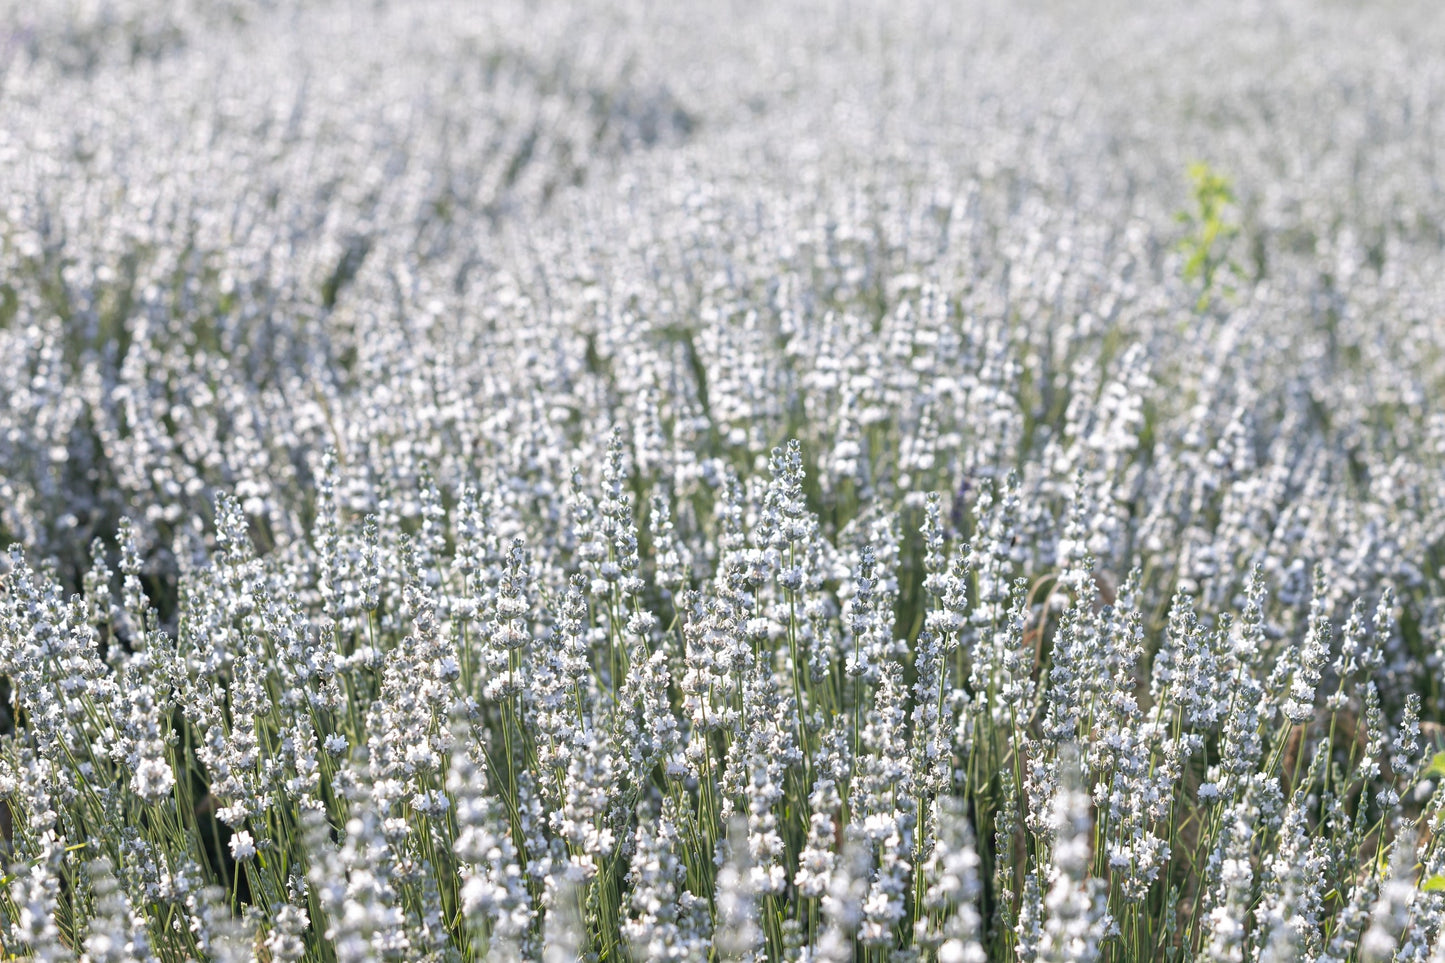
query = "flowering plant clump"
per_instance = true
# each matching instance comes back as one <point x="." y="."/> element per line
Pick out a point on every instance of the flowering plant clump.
<point x="635" y="481"/>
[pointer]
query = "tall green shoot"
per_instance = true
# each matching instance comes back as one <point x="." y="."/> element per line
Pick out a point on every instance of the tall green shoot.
<point x="1210" y="228"/>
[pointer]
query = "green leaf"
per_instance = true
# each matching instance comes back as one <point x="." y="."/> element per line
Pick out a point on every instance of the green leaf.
<point x="1435" y="884"/>
<point x="1436" y="767"/>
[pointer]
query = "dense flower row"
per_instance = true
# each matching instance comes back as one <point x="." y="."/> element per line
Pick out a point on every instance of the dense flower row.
<point x="651" y="482"/>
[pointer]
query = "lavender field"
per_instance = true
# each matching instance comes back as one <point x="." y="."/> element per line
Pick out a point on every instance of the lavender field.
<point x="876" y="480"/>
